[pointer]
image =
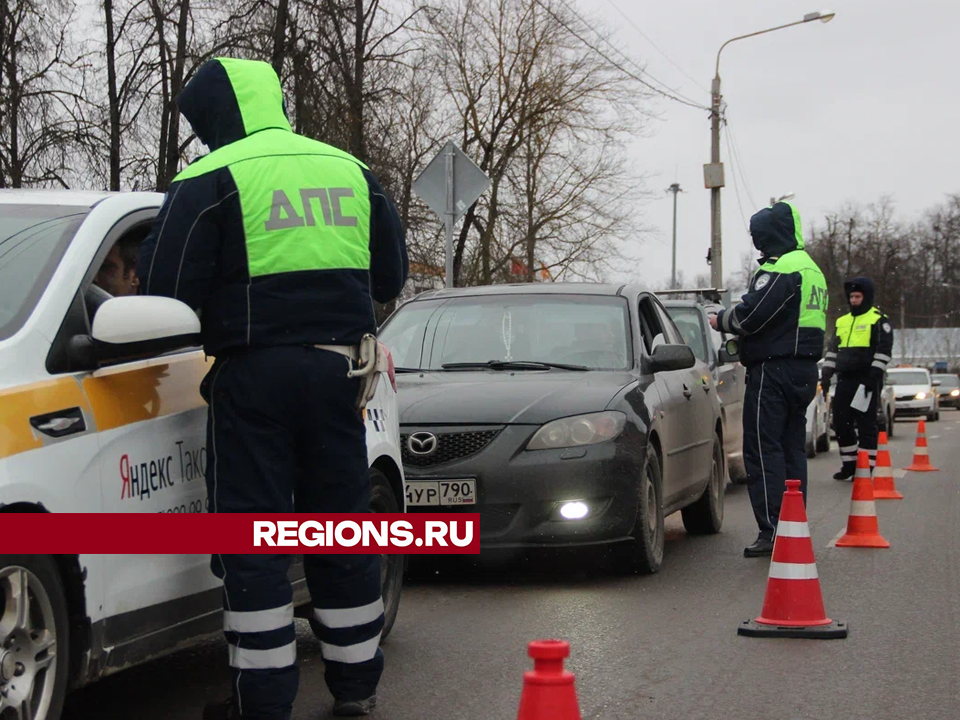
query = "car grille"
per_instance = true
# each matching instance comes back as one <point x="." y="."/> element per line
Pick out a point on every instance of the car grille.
<point x="905" y="398"/>
<point x="450" y="446"/>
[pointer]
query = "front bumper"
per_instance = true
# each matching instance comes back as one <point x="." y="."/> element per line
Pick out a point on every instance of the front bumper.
<point x="950" y="401"/>
<point x="519" y="493"/>
<point x="914" y="407"/>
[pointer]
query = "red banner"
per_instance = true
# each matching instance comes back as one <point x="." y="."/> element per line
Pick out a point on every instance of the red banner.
<point x="241" y="533"/>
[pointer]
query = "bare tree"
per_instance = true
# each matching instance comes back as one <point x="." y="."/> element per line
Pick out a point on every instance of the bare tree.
<point x="544" y="118"/>
<point x="42" y="75"/>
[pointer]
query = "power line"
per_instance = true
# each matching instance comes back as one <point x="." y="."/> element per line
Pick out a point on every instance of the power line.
<point x="673" y="95"/>
<point x="669" y="59"/>
<point x="737" y="156"/>
<point x="736" y="185"/>
<point x="629" y="59"/>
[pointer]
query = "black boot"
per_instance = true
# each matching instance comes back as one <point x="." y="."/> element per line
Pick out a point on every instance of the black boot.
<point x="846" y="472"/>
<point x="762" y="547"/>
<point x="222" y="710"/>
<point x="354" y="708"/>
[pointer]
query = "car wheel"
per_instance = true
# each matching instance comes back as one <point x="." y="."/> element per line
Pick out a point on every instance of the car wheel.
<point x="34" y="638"/>
<point x="738" y="472"/>
<point x="890" y="419"/>
<point x="392" y="567"/>
<point x="931" y="417"/>
<point x="705" y="516"/>
<point x="823" y="442"/>
<point x="643" y="553"/>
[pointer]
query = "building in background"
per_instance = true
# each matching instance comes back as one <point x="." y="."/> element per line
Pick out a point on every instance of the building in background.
<point x="937" y="349"/>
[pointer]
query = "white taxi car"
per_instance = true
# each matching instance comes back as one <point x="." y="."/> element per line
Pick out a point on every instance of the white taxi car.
<point x="916" y="392"/>
<point x="818" y="421"/>
<point x="86" y="407"/>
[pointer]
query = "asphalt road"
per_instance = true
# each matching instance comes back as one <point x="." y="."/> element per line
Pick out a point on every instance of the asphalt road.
<point x="662" y="646"/>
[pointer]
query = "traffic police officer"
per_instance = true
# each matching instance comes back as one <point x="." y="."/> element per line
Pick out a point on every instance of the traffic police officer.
<point x="858" y="354"/>
<point x="781" y="321"/>
<point x="279" y="243"/>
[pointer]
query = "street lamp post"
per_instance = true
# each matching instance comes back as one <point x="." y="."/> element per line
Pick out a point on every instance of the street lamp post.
<point x="713" y="171"/>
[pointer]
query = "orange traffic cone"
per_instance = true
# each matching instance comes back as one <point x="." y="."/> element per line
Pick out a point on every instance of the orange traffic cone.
<point x="548" y="692"/>
<point x="884" y="487"/>
<point x="863" y="529"/>
<point x="921" y="456"/>
<point x="793" y="605"/>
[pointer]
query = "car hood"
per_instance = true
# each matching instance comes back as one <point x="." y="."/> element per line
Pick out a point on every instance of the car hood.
<point x="503" y="396"/>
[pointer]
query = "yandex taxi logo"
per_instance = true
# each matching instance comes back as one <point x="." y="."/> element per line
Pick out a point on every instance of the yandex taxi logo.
<point x="140" y="478"/>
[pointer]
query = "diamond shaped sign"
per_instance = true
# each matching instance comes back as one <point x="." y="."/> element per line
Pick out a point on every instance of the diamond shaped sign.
<point x="469" y="182"/>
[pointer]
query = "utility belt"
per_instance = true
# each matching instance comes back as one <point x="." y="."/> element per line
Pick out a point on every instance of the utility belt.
<point x="368" y="361"/>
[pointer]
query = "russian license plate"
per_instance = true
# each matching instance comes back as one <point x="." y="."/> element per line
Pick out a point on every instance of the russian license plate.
<point x="441" y="492"/>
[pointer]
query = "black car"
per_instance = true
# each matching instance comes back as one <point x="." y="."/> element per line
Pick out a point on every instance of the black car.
<point x="564" y="414"/>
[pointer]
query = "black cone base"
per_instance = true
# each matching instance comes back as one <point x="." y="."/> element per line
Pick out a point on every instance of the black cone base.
<point x="836" y="629"/>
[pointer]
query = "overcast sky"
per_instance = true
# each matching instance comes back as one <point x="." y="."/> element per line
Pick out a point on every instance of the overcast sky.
<point x="865" y="105"/>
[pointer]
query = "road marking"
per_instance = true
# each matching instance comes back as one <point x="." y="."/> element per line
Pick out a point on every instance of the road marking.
<point x="934" y="437"/>
<point x="899" y="473"/>
<point x="833" y="543"/>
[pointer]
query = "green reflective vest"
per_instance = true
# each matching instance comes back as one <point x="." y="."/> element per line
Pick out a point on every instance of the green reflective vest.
<point x="813" y="290"/>
<point x="855" y="331"/>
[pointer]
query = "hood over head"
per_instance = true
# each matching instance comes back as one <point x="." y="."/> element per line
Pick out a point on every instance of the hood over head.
<point x="229" y="99"/>
<point x="864" y="285"/>
<point x="776" y="230"/>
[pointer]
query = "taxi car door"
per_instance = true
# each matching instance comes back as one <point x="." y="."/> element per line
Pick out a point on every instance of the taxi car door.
<point x="151" y="425"/>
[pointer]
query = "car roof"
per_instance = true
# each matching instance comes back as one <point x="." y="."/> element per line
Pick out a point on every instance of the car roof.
<point x="87" y="198"/>
<point x="556" y="288"/>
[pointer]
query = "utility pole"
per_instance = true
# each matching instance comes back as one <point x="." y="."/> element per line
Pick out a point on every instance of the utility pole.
<point x="675" y="188"/>
<point x="713" y="171"/>
<point x="713" y="179"/>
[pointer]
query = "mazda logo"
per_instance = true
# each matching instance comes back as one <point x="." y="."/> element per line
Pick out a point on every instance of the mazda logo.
<point x="422" y="443"/>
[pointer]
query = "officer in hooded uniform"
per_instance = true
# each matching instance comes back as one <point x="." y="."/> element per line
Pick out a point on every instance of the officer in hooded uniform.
<point x="781" y="322"/>
<point x="281" y="244"/>
<point x="859" y="355"/>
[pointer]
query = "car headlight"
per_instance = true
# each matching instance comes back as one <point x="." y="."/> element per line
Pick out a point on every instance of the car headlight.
<point x="921" y="396"/>
<point x="578" y="431"/>
<point x="955" y="393"/>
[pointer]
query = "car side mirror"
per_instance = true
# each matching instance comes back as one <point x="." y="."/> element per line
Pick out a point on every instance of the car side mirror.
<point x="937" y="383"/>
<point x="129" y="328"/>
<point x="730" y="352"/>
<point x="672" y="357"/>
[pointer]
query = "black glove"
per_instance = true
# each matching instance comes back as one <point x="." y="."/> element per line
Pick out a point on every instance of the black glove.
<point x="825" y="382"/>
<point x="876" y="376"/>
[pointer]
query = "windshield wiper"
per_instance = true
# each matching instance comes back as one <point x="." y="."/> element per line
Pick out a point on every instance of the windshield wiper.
<point x="407" y="370"/>
<point x="512" y="365"/>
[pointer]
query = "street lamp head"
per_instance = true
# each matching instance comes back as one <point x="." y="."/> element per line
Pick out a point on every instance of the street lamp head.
<point x="821" y="15"/>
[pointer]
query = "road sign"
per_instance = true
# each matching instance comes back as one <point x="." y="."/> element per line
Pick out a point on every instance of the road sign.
<point x="449" y="185"/>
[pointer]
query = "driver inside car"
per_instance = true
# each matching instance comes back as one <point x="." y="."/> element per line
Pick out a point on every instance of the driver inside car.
<point x="118" y="273"/>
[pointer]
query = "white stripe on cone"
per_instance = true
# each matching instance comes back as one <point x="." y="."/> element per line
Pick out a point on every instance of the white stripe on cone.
<point x="793" y="571"/>
<point x="786" y="528"/>
<point x="863" y="508"/>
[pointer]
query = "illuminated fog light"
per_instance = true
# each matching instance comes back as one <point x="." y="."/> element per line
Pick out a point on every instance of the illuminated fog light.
<point x="574" y="511"/>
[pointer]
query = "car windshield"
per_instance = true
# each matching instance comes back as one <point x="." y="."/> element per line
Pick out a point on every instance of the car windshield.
<point x="587" y="331"/>
<point x="33" y="239"/>
<point x="948" y="381"/>
<point x="688" y="323"/>
<point x="907" y="378"/>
